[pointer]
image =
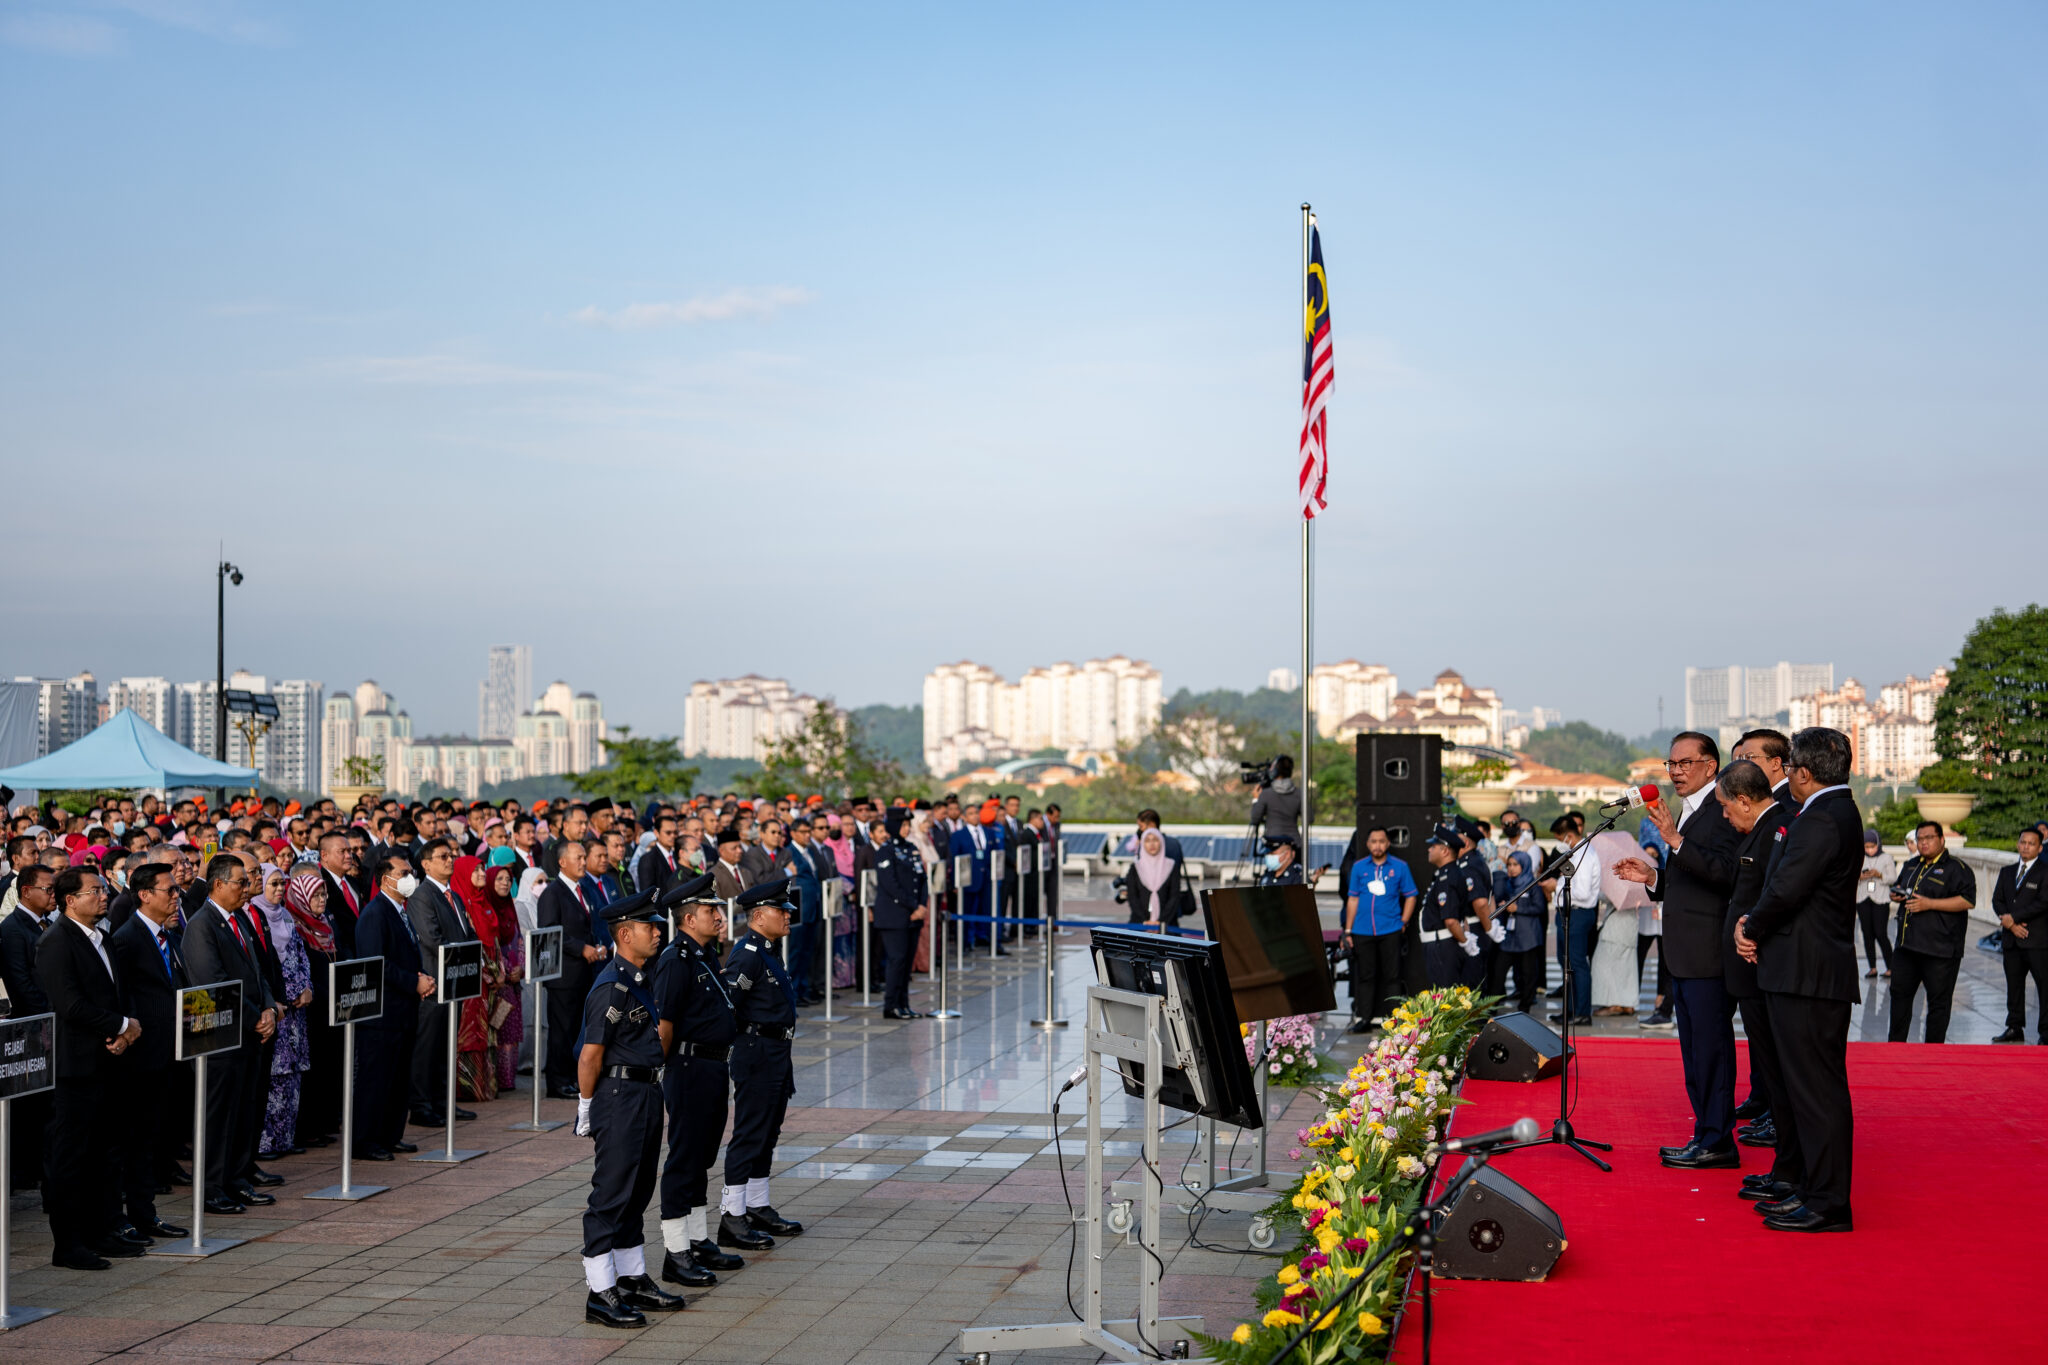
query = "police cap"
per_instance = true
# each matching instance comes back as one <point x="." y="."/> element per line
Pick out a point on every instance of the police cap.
<point x="893" y="821"/>
<point x="637" y="908"/>
<point x="775" y="895"/>
<point x="682" y="893"/>
<point x="1443" y="835"/>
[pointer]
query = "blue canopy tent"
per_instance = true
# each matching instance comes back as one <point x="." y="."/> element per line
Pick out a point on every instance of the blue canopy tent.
<point x="127" y="752"/>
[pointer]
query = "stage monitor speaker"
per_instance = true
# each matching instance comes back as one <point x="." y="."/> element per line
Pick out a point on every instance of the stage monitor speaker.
<point x="1400" y="770"/>
<point x="1498" y="1231"/>
<point x="1407" y="828"/>
<point x="1515" y="1047"/>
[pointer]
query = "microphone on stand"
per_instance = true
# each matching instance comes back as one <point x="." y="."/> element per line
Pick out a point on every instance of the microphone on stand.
<point x="1649" y="795"/>
<point x="1521" y="1130"/>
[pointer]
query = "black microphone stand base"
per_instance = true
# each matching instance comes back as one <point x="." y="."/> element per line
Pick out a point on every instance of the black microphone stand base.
<point x="1561" y="1135"/>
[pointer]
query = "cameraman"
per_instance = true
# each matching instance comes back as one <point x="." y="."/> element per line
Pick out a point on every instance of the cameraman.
<point x="1276" y="806"/>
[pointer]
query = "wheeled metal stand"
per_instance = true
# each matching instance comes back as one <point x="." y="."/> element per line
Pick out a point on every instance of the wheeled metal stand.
<point x="1219" y="1195"/>
<point x="1123" y="1025"/>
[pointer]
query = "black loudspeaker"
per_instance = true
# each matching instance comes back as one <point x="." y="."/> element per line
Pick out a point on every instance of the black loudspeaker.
<point x="1515" y="1047"/>
<point x="1498" y="1231"/>
<point x="1400" y="770"/>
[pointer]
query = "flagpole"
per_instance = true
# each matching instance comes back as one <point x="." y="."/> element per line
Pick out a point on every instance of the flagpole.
<point x="1307" y="584"/>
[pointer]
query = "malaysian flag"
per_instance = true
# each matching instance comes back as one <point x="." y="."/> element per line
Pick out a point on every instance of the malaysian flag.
<point x="1318" y="371"/>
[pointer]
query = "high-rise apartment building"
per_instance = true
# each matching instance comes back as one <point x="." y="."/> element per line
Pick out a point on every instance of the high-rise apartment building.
<point x="1337" y="692"/>
<point x="67" y="710"/>
<point x="1086" y="708"/>
<point x="153" y="699"/>
<point x="507" y="690"/>
<point x="586" y="724"/>
<point x="742" y="717"/>
<point x="294" y="757"/>
<point x="544" y="743"/>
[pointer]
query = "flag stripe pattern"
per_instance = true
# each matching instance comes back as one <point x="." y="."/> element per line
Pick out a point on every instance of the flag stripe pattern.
<point x="1318" y="372"/>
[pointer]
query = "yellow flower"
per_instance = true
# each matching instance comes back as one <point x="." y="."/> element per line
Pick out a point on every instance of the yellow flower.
<point x="1288" y="1274"/>
<point x="1243" y="1333"/>
<point x="1369" y="1324"/>
<point x="1323" y="1323"/>
<point x="1280" y="1317"/>
<point x="1346" y="1154"/>
<point x="1345" y="1172"/>
<point x="1354" y="1271"/>
<point x="1328" y="1239"/>
<point x="1372" y="1234"/>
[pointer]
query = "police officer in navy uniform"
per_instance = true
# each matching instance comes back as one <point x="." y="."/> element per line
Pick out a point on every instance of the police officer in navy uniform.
<point x="618" y="1081"/>
<point x="762" y="1078"/>
<point x="1478" y="878"/>
<point x="899" y="908"/>
<point x="697" y="1029"/>
<point x="1446" y="901"/>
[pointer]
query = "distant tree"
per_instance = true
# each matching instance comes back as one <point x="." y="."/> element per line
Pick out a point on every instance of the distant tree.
<point x="636" y="769"/>
<point x="1994" y="717"/>
<point x="1577" y="747"/>
<point x="829" y="755"/>
<point x="894" y="732"/>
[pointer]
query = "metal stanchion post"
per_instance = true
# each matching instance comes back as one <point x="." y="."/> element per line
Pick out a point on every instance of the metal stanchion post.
<point x="963" y="877"/>
<point x="347" y="985"/>
<point x="449" y="955"/>
<point x="543" y="964"/>
<point x="862" y="927"/>
<point x="938" y="958"/>
<point x="1050" y="1019"/>
<point x="10" y="1316"/>
<point x="835" y="892"/>
<point x="200" y="1009"/>
<point x="995" y="902"/>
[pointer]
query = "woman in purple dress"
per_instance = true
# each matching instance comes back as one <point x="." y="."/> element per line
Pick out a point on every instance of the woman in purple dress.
<point x="304" y="898"/>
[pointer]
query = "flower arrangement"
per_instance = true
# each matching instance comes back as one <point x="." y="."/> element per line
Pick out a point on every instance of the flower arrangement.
<point x="1365" y="1179"/>
<point x="1292" y="1057"/>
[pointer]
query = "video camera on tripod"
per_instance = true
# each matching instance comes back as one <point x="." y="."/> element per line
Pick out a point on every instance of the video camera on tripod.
<point x="1257" y="774"/>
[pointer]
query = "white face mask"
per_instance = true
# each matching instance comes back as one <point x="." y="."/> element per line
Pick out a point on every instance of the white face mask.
<point x="407" y="885"/>
<point x="119" y="828"/>
<point x="1272" y="862"/>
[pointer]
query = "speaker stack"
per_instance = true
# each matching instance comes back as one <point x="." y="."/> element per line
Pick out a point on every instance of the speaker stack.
<point x="1401" y="787"/>
<point x="1498" y="1231"/>
<point x="1515" y="1047"/>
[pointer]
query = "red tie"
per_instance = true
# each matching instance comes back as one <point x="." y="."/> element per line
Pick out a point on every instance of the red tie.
<point x="238" y="934"/>
<point x="348" y="896"/>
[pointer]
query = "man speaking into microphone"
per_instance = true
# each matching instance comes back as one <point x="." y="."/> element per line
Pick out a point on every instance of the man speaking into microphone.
<point x="1693" y="886"/>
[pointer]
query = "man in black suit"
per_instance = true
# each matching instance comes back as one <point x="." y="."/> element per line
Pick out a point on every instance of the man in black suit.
<point x="657" y="869"/>
<point x="1693" y="886"/>
<point x="384" y="1045"/>
<point x="344" y="895"/>
<point x="20" y="933"/>
<point x="563" y="903"/>
<point x="1768" y="749"/>
<point x="1802" y="936"/>
<point x="93" y="1031"/>
<point x="436" y="919"/>
<point x="152" y="969"/>
<point x="2019" y="900"/>
<point x="1756" y="813"/>
<point x="218" y="946"/>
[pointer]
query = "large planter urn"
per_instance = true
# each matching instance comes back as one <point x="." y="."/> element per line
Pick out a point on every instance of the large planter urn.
<point x="1484" y="803"/>
<point x="346" y="797"/>
<point x="1947" y="807"/>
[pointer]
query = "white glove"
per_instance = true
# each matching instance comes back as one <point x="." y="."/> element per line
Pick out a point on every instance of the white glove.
<point x="1497" y="931"/>
<point x="1471" y="945"/>
<point x="582" y="1117"/>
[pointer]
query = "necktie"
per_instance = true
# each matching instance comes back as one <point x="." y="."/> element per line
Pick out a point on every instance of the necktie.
<point x="232" y="924"/>
<point x="348" y="895"/>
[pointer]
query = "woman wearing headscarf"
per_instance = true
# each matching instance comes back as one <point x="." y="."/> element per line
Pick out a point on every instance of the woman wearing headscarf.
<point x="1153" y="884"/>
<point x="526" y="902"/>
<point x="476" y="1046"/>
<point x="508" y="1016"/>
<point x="305" y="901"/>
<point x="293" y="1053"/>
<point x="844" y="953"/>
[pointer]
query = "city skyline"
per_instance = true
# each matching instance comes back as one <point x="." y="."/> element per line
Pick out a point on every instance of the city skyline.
<point x="901" y="297"/>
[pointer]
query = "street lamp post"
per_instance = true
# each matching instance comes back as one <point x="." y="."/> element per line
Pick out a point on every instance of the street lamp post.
<point x="221" y="574"/>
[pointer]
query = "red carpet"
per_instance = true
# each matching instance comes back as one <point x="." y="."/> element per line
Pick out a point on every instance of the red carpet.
<point x="1948" y="1262"/>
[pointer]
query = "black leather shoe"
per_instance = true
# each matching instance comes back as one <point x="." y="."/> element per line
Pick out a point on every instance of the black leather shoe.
<point x="373" y="1154"/>
<point x="464" y="1115"/>
<point x="424" y="1118"/>
<point x="1360" y="1026"/>
<point x="1684" y="1150"/>
<point x="608" y="1308"/>
<point x="81" y="1259"/>
<point x="263" y="1178"/>
<point x="641" y="1292"/>
<point x="253" y="1197"/>
<point x="1554" y="993"/>
<point x="1806" y="1220"/>
<point x="1777" y="1208"/>
<point x="707" y="1254"/>
<point x="563" y="1092"/>
<point x="225" y="1206"/>
<point x="685" y="1271"/>
<point x="734" y="1231"/>
<point x="162" y="1231"/>
<point x="1759" y="1178"/>
<point x="1768" y="1193"/>
<point x="767" y="1220"/>
<point x="1762" y="1133"/>
<point x="1751" y="1108"/>
<point x="128" y="1232"/>
<point x="402" y="1146"/>
<point x="2011" y="1035"/>
<point x="1706" y="1159"/>
<point x="118" y="1248"/>
<point x="180" y="1176"/>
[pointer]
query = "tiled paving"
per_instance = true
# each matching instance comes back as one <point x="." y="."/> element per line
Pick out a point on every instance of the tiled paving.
<point x="921" y="1158"/>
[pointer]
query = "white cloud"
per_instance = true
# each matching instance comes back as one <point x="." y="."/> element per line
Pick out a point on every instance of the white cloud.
<point x="72" y="35"/>
<point x="449" y="371"/>
<point x="732" y="304"/>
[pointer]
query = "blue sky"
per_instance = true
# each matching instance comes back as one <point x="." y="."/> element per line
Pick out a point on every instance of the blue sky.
<point x="969" y="332"/>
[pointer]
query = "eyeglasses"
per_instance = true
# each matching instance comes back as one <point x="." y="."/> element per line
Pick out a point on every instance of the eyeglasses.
<point x="1679" y="765"/>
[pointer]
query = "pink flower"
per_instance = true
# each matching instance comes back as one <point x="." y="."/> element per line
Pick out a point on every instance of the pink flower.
<point x="1313" y="1262"/>
<point x="1294" y="1153"/>
<point x="1314" y="1219"/>
<point x="1355" y="1245"/>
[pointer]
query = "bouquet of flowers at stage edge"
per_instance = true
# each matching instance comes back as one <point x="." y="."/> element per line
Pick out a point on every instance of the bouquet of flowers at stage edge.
<point x="1291" y="1055"/>
<point x="1365" y="1179"/>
